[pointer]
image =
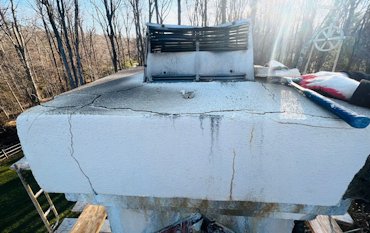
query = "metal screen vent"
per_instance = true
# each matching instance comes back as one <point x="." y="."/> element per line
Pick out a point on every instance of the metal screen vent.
<point x="186" y="39"/>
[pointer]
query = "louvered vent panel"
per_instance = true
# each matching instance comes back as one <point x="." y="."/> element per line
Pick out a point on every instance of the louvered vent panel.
<point x="177" y="39"/>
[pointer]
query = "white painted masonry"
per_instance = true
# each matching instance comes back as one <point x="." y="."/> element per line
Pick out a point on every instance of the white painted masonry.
<point x="235" y="141"/>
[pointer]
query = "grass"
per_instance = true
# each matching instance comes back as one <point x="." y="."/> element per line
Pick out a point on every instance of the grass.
<point x="17" y="213"/>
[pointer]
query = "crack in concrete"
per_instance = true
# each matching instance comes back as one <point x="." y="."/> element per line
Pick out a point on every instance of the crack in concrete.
<point x="60" y="107"/>
<point x="33" y="121"/>
<point x="128" y="89"/>
<point x="251" y="135"/>
<point x="93" y="101"/>
<point x="96" y="96"/>
<point x="311" y="115"/>
<point x="232" y="177"/>
<point x="186" y="113"/>
<point x="72" y="151"/>
<point x="239" y="110"/>
<point x="74" y="157"/>
<point x="270" y="93"/>
<point x="37" y="116"/>
<point x="249" y="111"/>
<point x="72" y="106"/>
<point x="308" y="125"/>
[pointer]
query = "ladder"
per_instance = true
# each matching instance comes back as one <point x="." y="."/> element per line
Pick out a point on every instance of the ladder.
<point x="22" y="165"/>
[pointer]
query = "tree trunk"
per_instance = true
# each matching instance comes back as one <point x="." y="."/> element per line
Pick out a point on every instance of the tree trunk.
<point x="179" y="12"/>
<point x="156" y="9"/>
<point x="223" y="11"/>
<point x="93" y="51"/>
<point x="109" y="12"/>
<point x="5" y="112"/>
<point x="205" y="13"/>
<point x="127" y="25"/>
<point x="62" y="16"/>
<point x="16" y="37"/>
<point x="11" y="89"/>
<point x="58" y="37"/>
<point x="151" y="9"/>
<point x="77" y="44"/>
<point x="63" y="85"/>
<point x="139" y="37"/>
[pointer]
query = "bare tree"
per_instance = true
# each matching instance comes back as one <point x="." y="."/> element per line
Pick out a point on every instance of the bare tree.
<point x="127" y="22"/>
<point x="236" y="10"/>
<point x="163" y="9"/>
<point x="51" y="17"/>
<point x="13" y="32"/>
<point x="359" y="57"/>
<point x="205" y="13"/>
<point x="111" y="7"/>
<point x="107" y="21"/>
<point x="65" y="32"/>
<point x="151" y="9"/>
<point x="11" y="89"/>
<point x="156" y="10"/>
<point x="179" y="12"/>
<point x="52" y="48"/>
<point x="77" y="44"/>
<point x="223" y="11"/>
<point x="135" y="4"/>
<point x="198" y="11"/>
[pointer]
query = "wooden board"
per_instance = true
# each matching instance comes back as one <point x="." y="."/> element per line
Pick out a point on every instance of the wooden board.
<point x="324" y="224"/>
<point x="68" y="223"/>
<point x="91" y="220"/>
<point x="345" y="219"/>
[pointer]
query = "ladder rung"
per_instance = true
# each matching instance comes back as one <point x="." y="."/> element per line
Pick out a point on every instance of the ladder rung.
<point x="48" y="211"/>
<point x="39" y="193"/>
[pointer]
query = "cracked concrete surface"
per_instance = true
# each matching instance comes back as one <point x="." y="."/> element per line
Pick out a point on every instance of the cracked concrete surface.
<point x="72" y="154"/>
<point x="232" y="176"/>
<point x="122" y="133"/>
<point x="271" y="93"/>
<point x="72" y="150"/>
<point x="165" y="99"/>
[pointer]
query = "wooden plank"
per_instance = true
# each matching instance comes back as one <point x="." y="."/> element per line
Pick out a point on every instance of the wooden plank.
<point x="91" y="220"/>
<point x="345" y="219"/>
<point x="324" y="224"/>
<point x="68" y="223"/>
